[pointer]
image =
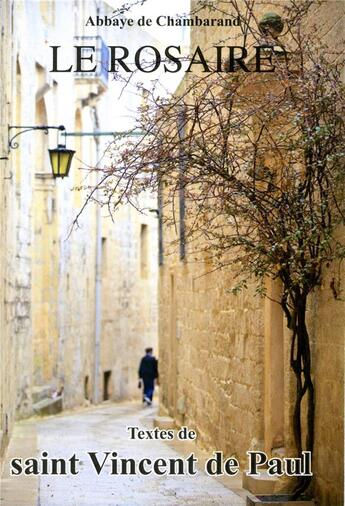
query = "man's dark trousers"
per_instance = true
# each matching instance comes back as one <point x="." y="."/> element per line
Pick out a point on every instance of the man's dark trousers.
<point x="148" y="388"/>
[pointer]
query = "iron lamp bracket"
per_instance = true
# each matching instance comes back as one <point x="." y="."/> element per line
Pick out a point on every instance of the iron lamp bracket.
<point x="12" y="144"/>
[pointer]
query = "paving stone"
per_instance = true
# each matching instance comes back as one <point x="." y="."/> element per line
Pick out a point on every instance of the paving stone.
<point x="104" y="429"/>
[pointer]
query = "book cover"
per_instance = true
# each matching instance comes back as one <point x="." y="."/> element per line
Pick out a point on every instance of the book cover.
<point x="172" y="217"/>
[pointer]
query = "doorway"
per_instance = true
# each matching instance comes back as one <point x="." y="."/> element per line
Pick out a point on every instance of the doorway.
<point x="106" y="385"/>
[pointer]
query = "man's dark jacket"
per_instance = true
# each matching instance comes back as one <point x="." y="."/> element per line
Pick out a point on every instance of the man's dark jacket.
<point x="148" y="368"/>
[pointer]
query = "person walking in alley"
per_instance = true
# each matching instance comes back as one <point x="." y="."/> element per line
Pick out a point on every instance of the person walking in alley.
<point x="148" y="374"/>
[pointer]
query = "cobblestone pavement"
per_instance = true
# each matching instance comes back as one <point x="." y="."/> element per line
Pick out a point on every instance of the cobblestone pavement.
<point x="104" y="429"/>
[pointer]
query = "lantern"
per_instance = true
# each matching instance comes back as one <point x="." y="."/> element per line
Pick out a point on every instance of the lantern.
<point x="60" y="159"/>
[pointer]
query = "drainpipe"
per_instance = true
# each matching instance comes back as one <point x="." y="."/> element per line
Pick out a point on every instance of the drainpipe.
<point x="98" y="269"/>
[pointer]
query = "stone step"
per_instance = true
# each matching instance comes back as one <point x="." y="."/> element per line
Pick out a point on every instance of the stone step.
<point x="41" y="392"/>
<point x="48" y="406"/>
<point x="164" y="422"/>
<point x="262" y="484"/>
<point x="277" y="499"/>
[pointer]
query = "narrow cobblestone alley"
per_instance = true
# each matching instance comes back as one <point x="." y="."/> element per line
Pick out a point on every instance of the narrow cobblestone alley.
<point x="104" y="429"/>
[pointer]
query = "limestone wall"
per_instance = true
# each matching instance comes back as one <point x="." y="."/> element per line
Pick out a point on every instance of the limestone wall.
<point x="129" y="317"/>
<point x="329" y="324"/>
<point x="211" y="358"/>
<point x="48" y="274"/>
<point x="225" y="359"/>
<point x="7" y="279"/>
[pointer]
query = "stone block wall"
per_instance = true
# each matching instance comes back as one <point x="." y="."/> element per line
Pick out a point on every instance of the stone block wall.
<point x="47" y="274"/>
<point x="15" y="263"/>
<point x="216" y="349"/>
<point x="129" y="315"/>
<point x="6" y="206"/>
<point x="212" y="357"/>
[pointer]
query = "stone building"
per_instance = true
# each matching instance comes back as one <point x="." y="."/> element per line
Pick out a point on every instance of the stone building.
<point x="7" y="255"/>
<point x="225" y="358"/>
<point x="77" y="307"/>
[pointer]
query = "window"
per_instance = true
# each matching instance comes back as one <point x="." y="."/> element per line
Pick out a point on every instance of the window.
<point x="86" y="388"/>
<point x="106" y="385"/>
<point x="104" y="256"/>
<point x="144" y="251"/>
